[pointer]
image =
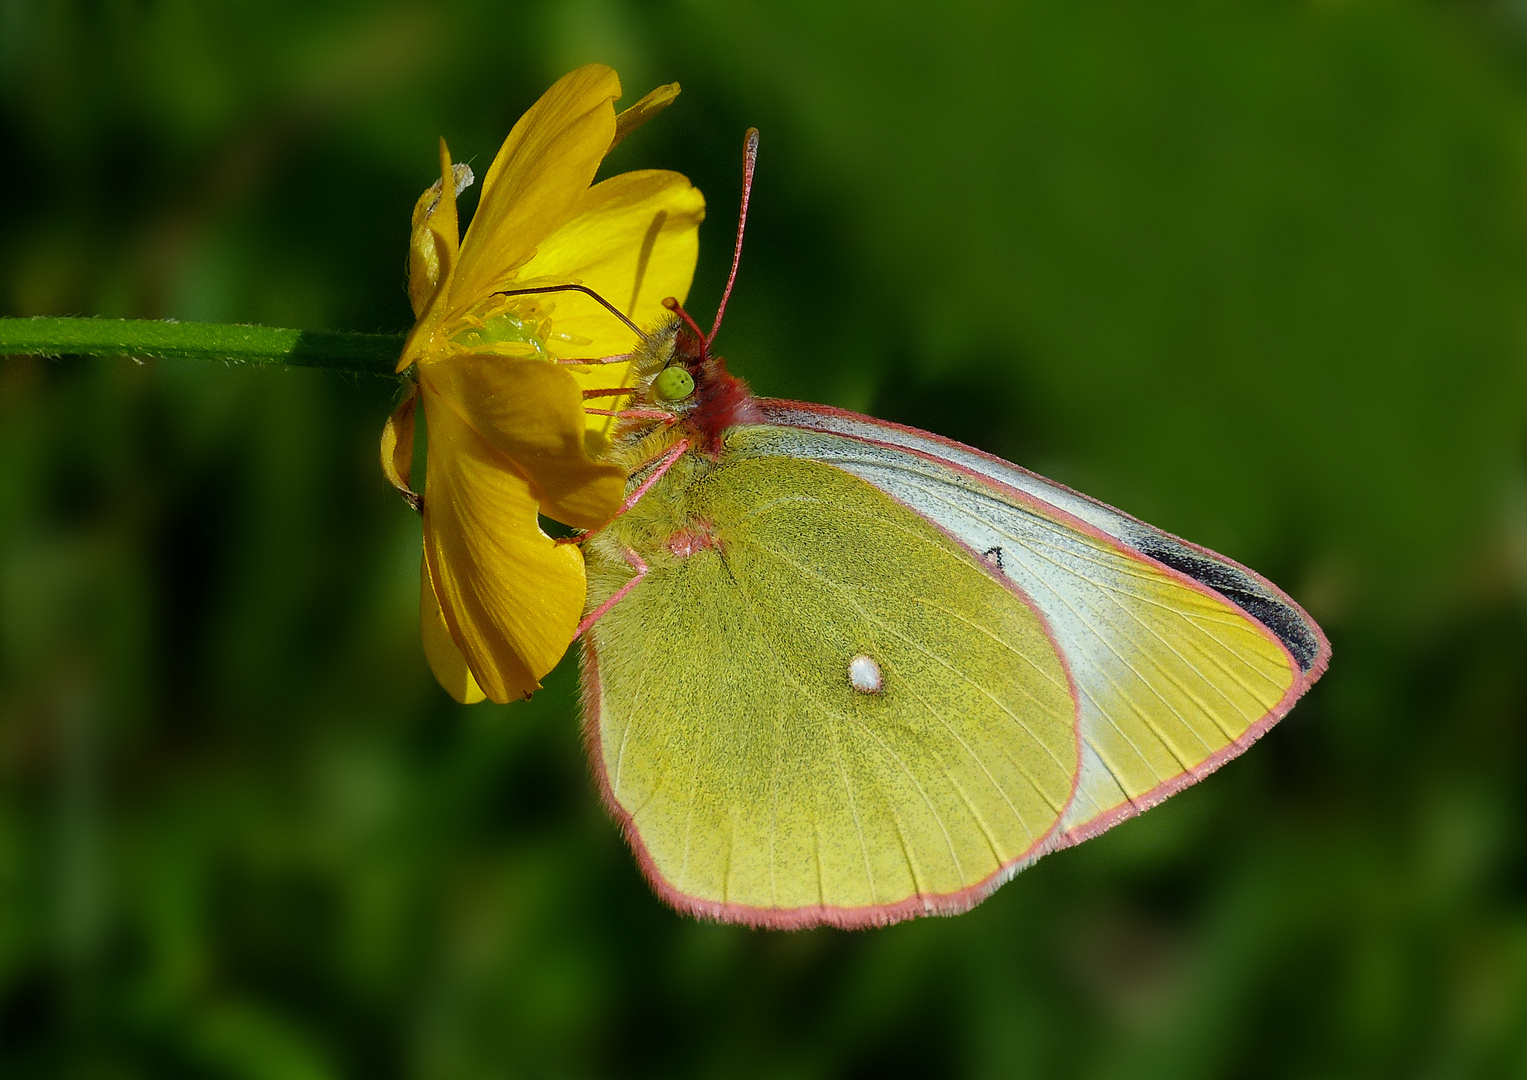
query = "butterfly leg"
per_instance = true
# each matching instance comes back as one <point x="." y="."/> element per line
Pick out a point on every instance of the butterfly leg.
<point x="626" y="414"/>
<point x="634" y="561"/>
<point x="663" y="465"/>
<point x="592" y="361"/>
<point x="633" y="414"/>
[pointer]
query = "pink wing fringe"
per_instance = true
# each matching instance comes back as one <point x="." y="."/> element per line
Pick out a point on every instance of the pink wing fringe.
<point x="799" y="918"/>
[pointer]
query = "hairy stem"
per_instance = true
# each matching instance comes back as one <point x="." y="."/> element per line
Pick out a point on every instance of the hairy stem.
<point x="361" y="354"/>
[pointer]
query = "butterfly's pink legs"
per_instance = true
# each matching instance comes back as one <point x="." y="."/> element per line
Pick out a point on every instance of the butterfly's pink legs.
<point x="632" y="558"/>
<point x="591" y="361"/>
<point x="634" y="561"/>
<point x="663" y="465"/>
<point x="633" y="414"/>
<point x="624" y="414"/>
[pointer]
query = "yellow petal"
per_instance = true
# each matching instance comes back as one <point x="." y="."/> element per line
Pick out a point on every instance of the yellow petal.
<point x="434" y="229"/>
<point x="433" y="254"/>
<point x="398" y="446"/>
<point x="445" y="659"/>
<point x="511" y="597"/>
<point x="645" y="109"/>
<point x="634" y="241"/>
<point x="542" y="169"/>
<point x="423" y="261"/>
<point x="531" y="412"/>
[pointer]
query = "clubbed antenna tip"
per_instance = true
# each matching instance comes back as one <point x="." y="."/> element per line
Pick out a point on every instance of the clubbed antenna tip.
<point x="749" y="163"/>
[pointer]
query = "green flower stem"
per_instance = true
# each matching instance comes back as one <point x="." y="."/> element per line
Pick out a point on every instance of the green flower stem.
<point x="361" y="354"/>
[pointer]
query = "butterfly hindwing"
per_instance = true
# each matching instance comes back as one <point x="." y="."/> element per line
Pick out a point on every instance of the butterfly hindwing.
<point x="755" y="782"/>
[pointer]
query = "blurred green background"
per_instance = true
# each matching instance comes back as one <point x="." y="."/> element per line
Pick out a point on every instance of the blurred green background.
<point x="1256" y="273"/>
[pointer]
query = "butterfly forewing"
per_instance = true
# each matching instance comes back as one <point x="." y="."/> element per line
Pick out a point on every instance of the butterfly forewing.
<point x="1174" y="677"/>
<point x="756" y="782"/>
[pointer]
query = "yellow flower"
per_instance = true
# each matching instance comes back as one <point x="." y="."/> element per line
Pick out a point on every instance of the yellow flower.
<point x="509" y="436"/>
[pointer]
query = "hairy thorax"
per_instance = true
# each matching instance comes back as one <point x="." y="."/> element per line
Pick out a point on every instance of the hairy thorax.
<point x="668" y="447"/>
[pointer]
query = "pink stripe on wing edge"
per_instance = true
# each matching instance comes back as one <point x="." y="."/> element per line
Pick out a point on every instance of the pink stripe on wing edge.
<point x="1167" y="788"/>
<point x="1238" y="746"/>
<point x="805" y="918"/>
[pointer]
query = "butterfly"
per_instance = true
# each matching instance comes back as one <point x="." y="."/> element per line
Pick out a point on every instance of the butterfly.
<point x="841" y="671"/>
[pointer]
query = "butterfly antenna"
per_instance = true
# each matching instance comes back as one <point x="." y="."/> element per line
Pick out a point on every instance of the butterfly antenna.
<point x="673" y="305"/>
<point x="585" y="290"/>
<point x="749" y="162"/>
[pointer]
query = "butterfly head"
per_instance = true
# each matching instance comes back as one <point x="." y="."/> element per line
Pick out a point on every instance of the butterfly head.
<point x="673" y="383"/>
<point x="679" y="381"/>
<point x="679" y="377"/>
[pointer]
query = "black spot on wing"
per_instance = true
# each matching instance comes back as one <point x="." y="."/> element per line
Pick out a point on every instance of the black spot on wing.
<point x="993" y="555"/>
<point x="1237" y="586"/>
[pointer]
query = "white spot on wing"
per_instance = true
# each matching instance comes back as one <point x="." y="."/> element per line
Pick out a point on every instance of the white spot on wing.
<point x="864" y="675"/>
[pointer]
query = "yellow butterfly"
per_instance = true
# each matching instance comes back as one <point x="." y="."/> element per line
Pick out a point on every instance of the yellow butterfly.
<point x="842" y="671"/>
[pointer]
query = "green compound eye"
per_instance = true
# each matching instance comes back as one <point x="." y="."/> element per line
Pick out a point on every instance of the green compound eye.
<point x="673" y="384"/>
